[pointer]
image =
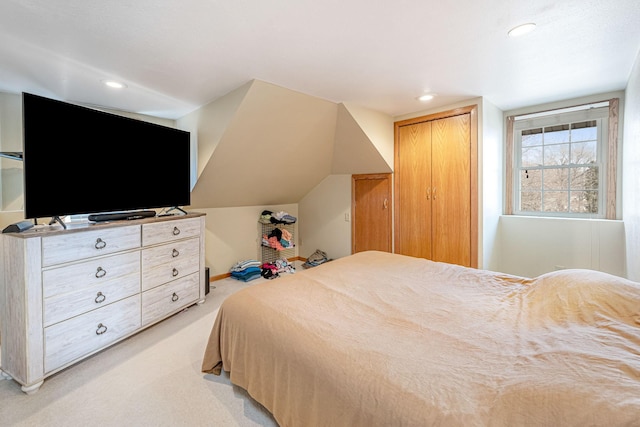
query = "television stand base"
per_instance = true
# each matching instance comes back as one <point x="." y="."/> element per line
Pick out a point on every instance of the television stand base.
<point x="58" y="220"/>
<point x="118" y="216"/>
<point x="176" y="208"/>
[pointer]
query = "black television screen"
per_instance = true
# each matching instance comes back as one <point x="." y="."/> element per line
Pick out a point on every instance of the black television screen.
<point x="79" y="160"/>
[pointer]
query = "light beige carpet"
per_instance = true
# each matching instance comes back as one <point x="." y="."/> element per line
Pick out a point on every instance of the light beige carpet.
<point x="150" y="379"/>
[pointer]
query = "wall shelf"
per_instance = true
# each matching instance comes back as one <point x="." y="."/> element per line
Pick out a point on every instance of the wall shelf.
<point x="269" y="254"/>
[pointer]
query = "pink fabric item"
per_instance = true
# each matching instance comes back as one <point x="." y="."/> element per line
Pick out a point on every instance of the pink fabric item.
<point x="275" y="243"/>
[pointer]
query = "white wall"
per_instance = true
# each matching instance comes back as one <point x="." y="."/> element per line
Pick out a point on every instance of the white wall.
<point x="491" y="182"/>
<point x="11" y="188"/>
<point x="631" y="172"/>
<point x="322" y="222"/>
<point x="234" y="234"/>
<point x="379" y="129"/>
<point x="209" y="123"/>
<point x="534" y="245"/>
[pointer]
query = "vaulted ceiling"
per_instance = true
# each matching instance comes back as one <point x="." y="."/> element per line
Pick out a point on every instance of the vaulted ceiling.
<point x="280" y="94"/>
<point x="264" y="145"/>
<point x="179" y="55"/>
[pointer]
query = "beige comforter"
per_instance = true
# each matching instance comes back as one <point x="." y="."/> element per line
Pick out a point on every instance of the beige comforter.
<point x="377" y="339"/>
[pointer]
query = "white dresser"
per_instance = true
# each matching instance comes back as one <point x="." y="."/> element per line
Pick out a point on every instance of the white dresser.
<point x="67" y="294"/>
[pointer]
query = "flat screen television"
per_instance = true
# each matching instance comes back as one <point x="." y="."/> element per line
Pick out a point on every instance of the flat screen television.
<point x="79" y="160"/>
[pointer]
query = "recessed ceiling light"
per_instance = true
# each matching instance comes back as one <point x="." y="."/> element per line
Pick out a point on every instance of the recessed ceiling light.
<point x="521" y="30"/>
<point x="426" y="97"/>
<point x="114" y="84"/>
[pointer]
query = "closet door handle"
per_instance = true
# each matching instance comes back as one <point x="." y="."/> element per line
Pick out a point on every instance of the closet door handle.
<point x="385" y="204"/>
<point x="428" y="193"/>
<point x="434" y="193"/>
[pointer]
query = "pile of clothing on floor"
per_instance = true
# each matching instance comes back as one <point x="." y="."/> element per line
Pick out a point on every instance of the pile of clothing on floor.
<point x="282" y="217"/>
<point x="246" y="270"/>
<point x="278" y="239"/>
<point x="315" y="259"/>
<point x="271" y="270"/>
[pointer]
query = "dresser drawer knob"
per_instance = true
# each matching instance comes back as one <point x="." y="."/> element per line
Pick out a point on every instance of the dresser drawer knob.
<point x="101" y="329"/>
<point x="100" y="298"/>
<point x="175" y="253"/>
<point x="100" y="272"/>
<point x="176" y="231"/>
<point x="174" y="273"/>
<point x="175" y="297"/>
<point x="100" y="244"/>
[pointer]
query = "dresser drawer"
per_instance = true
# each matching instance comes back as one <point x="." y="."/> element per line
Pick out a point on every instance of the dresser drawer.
<point x="161" y="232"/>
<point x="168" y="298"/>
<point x="90" y="297"/>
<point x="69" y="340"/>
<point x="164" y="263"/>
<point x="75" y="277"/>
<point x="64" y="247"/>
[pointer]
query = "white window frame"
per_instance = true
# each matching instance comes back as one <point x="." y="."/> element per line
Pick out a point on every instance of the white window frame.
<point x="606" y="113"/>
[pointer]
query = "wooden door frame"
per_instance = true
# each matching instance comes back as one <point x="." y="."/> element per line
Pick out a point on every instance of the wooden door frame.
<point x="472" y="110"/>
<point x="354" y="178"/>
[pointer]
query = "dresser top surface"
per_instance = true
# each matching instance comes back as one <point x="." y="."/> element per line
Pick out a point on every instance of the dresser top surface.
<point x="42" y="230"/>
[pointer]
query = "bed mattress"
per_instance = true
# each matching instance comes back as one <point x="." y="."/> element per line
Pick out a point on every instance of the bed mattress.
<point x="379" y="339"/>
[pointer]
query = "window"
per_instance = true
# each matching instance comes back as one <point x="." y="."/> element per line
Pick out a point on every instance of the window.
<point x="561" y="162"/>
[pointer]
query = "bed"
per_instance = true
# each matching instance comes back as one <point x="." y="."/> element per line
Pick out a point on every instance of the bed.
<point x="379" y="339"/>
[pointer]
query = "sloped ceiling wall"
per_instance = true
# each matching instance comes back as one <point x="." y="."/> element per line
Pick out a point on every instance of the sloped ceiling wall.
<point x="263" y="144"/>
<point x="354" y="149"/>
<point x="210" y="123"/>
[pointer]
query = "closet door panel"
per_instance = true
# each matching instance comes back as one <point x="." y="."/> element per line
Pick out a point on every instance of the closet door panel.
<point x="451" y="190"/>
<point x="413" y="178"/>
<point x="371" y="212"/>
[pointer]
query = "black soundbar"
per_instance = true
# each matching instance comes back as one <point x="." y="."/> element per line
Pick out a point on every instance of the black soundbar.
<point x="118" y="216"/>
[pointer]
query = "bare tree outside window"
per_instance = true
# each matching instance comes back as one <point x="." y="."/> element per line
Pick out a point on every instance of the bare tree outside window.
<point x="562" y="162"/>
<point x="559" y="168"/>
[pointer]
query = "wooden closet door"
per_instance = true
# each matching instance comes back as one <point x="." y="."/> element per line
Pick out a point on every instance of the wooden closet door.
<point x="451" y="190"/>
<point x="413" y="184"/>
<point x="371" y="212"/>
<point x="436" y="186"/>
